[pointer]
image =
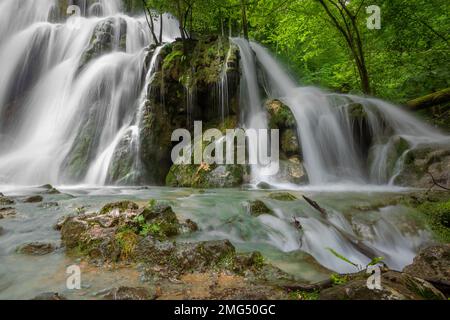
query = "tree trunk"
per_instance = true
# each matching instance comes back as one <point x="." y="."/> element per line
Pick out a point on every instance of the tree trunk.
<point x="430" y="100"/>
<point x="149" y="18"/>
<point x="161" y="25"/>
<point x="244" y="19"/>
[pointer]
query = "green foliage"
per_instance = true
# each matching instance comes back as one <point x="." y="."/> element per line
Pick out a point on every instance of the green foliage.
<point x="304" y="295"/>
<point x="338" y="255"/>
<point x="338" y="279"/>
<point x="438" y="218"/>
<point x="127" y="240"/>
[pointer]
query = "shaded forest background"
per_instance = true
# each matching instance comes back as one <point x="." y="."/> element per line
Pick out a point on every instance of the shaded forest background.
<point x="325" y="42"/>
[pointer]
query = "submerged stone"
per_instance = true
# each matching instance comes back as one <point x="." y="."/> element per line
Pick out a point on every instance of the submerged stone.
<point x="5" y="201"/>
<point x="283" y="196"/>
<point x="36" y="248"/>
<point x="33" y="199"/>
<point x="257" y="208"/>
<point x="129" y="293"/>
<point x="7" y="212"/>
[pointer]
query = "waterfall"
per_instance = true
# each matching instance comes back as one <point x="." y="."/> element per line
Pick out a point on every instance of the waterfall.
<point x="70" y="93"/>
<point x="326" y="129"/>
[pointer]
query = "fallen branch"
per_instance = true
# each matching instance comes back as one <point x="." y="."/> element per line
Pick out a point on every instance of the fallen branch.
<point x="435" y="183"/>
<point x="430" y="100"/>
<point x="357" y="243"/>
<point x="316" y="206"/>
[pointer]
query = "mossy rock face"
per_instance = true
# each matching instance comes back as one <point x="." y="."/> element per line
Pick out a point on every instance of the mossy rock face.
<point x="438" y="218"/>
<point x="432" y="264"/>
<point x="280" y="116"/>
<point x="114" y="232"/>
<point x="422" y="165"/>
<point x="121" y="206"/>
<point x="5" y="201"/>
<point x="185" y="89"/>
<point x="282" y="196"/>
<point x="258" y="207"/>
<point x="292" y="170"/>
<point x="395" y="286"/>
<point x="104" y="40"/>
<point x="202" y="176"/>
<point x="289" y="142"/>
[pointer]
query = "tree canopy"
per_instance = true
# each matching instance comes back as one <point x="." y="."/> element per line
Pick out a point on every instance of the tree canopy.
<point x="328" y="42"/>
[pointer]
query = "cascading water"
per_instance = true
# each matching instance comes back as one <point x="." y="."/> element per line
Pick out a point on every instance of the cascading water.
<point x="70" y="92"/>
<point x="326" y="129"/>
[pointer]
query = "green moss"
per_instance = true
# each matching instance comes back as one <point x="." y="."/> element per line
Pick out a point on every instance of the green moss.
<point x="282" y="196"/>
<point x="121" y="205"/>
<point x="337" y="279"/>
<point x="127" y="241"/>
<point x="438" y="218"/>
<point x="257" y="208"/>
<point x="304" y="295"/>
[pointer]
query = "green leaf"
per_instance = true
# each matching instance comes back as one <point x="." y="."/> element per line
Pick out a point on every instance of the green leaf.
<point x="342" y="257"/>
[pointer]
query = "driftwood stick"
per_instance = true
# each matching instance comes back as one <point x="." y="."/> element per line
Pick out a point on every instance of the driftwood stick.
<point x="316" y="206"/>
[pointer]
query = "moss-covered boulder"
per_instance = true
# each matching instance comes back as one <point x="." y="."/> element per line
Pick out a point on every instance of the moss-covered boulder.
<point x="280" y="116"/>
<point x="113" y="233"/>
<point x="257" y="208"/>
<point x="33" y="199"/>
<point x="292" y="170"/>
<point x="5" y="201"/>
<point x="36" y="248"/>
<point x="424" y="167"/>
<point x="207" y="176"/>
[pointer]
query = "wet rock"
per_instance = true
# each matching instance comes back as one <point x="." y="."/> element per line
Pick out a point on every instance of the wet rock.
<point x="292" y="170"/>
<point x="59" y="223"/>
<point x="120" y="206"/>
<point x="257" y="208"/>
<point x="128" y="293"/>
<point x="49" y="189"/>
<point x="395" y="286"/>
<point x="5" y="201"/>
<point x="53" y="296"/>
<point x="189" y="226"/>
<point x="433" y="265"/>
<point x="106" y="36"/>
<point x="7" y="212"/>
<point x="33" y="199"/>
<point x="207" y="176"/>
<point x="280" y="116"/>
<point x="2" y="231"/>
<point x="36" y="248"/>
<point x="289" y="142"/>
<point x="264" y="186"/>
<point x="282" y="196"/>
<point x="47" y="205"/>
<point x="113" y="233"/>
<point x="423" y="165"/>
